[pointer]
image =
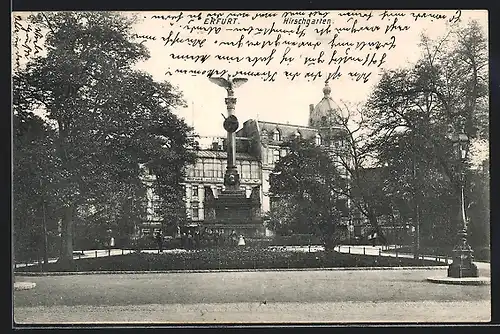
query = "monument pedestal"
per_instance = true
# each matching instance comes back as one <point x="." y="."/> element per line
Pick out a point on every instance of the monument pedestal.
<point x="462" y="265"/>
<point x="233" y="211"/>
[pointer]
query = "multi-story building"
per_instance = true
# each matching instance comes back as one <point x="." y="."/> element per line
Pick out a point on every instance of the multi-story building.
<point x="259" y="145"/>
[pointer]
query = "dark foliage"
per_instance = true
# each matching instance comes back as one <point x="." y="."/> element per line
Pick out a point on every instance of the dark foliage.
<point x="235" y="258"/>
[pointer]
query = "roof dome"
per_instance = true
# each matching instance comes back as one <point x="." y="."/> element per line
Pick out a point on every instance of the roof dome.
<point x="323" y="109"/>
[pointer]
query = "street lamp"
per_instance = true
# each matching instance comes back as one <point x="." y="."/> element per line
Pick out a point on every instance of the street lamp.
<point x="462" y="265"/>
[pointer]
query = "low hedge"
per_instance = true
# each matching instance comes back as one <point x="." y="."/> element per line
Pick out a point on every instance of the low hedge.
<point x="235" y="258"/>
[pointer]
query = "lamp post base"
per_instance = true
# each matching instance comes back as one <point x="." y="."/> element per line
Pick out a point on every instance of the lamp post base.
<point x="462" y="265"/>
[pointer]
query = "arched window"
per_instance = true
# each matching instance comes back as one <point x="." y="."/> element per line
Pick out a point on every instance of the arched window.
<point x="276" y="135"/>
<point x="318" y="139"/>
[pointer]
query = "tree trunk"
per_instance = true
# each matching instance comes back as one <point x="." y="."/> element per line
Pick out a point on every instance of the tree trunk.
<point x="44" y="236"/>
<point x="417" y="233"/>
<point x="329" y="241"/>
<point x="66" y="252"/>
<point x="372" y="218"/>
<point x="373" y="221"/>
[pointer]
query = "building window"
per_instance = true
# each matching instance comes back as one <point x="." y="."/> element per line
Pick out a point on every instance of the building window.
<point x="194" y="212"/>
<point x="223" y="166"/>
<point x="212" y="168"/>
<point x="269" y="156"/>
<point x="195" y="192"/>
<point x="276" y="156"/>
<point x="190" y="171"/>
<point x="318" y="139"/>
<point x="183" y="192"/>
<point x="198" y="169"/>
<point x="208" y="170"/>
<point x="245" y="170"/>
<point x="238" y="168"/>
<point x="219" y="169"/>
<point x="146" y="231"/>
<point x="255" y="170"/>
<point x="276" y="135"/>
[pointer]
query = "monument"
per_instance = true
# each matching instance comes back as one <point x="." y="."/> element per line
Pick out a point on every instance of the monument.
<point x="233" y="210"/>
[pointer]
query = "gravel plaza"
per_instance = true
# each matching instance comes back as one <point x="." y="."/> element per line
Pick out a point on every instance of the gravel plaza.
<point x="333" y="296"/>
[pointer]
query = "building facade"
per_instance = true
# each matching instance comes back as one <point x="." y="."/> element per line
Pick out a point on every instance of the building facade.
<point x="259" y="146"/>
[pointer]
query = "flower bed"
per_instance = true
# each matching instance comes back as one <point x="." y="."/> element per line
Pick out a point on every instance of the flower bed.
<point x="233" y="258"/>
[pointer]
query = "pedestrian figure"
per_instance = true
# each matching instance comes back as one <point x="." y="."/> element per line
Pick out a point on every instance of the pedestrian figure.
<point x="216" y="238"/>
<point x="190" y="240"/>
<point x="197" y="239"/>
<point x="234" y="238"/>
<point x="159" y="240"/>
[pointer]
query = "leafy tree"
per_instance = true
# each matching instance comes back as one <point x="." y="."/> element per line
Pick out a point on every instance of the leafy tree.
<point x="305" y="181"/>
<point x="479" y="207"/>
<point x="281" y="219"/>
<point x="35" y="178"/>
<point x="419" y="190"/>
<point x="356" y="161"/>
<point x="411" y="113"/>
<point x="108" y="115"/>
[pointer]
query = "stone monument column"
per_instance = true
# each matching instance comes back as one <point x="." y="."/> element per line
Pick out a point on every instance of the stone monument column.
<point x="231" y="176"/>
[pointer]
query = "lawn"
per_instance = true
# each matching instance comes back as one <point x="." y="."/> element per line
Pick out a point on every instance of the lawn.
<point x="232" y="258"/>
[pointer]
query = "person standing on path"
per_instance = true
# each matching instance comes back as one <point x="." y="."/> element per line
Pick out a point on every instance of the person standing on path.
<point x="159" y="240"/>
<point x="190" y="240"/>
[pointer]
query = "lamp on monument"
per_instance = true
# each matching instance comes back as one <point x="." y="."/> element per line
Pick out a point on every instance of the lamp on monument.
<point x="462" y="265"/>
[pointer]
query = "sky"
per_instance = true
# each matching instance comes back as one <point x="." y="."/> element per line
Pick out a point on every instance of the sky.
<point x="282" y="101"/>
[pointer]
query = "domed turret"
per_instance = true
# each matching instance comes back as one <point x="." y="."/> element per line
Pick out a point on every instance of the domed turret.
<point x="324" y="110"/>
